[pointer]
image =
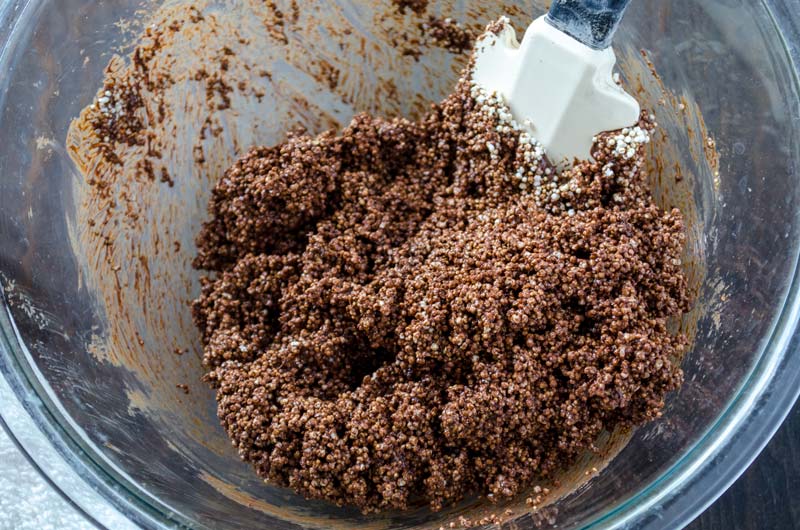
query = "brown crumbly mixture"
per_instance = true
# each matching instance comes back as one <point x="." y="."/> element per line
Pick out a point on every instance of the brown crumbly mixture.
<point x="393" y="317"/>
<point x="448" y="34"/>
<point x="417" y="6"/>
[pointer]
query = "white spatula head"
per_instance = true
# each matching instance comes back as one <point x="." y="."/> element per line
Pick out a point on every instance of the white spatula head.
<point x="561" y="89"/>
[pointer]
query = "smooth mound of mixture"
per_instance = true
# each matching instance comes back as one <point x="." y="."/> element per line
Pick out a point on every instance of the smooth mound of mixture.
<point x="417" y="312"/>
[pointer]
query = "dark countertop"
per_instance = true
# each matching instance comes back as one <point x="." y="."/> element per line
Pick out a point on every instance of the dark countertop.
<point x="767" y="496"/>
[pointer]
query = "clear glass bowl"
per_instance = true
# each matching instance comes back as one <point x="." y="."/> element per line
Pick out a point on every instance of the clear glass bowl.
<point x="118" y="440"/>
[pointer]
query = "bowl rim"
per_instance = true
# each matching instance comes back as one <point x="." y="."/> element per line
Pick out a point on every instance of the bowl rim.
<point x="46" y="435"/>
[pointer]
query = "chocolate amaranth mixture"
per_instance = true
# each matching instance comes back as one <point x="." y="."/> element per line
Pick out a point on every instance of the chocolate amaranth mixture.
<point x="448" y="34"/>
<point x="417" y="6"/>
<point x="423" y="311"/>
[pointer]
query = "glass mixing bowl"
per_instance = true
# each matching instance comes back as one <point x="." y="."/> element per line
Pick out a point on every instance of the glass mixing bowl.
<point x="104" y="421"/>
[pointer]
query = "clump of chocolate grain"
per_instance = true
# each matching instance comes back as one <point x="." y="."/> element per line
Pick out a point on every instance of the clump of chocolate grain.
<point x="417" y="6"/>
<point x="448" y="34"/>
<point x="424" y="311"/>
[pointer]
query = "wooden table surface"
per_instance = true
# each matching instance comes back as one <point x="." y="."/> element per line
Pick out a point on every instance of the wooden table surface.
<point x="767" y="496"/>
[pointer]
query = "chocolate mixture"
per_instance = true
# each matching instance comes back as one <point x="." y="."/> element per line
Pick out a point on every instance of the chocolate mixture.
<point x="448" y="34"/>
<point x="423" y="311"/>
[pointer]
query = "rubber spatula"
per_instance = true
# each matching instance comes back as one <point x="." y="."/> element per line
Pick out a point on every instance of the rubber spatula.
<point x="559" y="81"/>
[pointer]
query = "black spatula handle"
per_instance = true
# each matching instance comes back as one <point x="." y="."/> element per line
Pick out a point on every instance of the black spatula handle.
<point x="592" y="22"/>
